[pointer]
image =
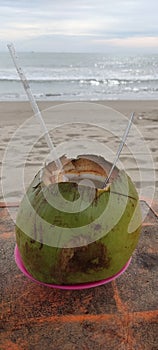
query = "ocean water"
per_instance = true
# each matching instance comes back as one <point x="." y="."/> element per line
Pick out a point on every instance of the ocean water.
<point x="80" y="76"/>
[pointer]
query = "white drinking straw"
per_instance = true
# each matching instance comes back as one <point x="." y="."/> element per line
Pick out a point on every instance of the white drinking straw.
<point x="124" y="137"/>
<point x="33" y="103"/>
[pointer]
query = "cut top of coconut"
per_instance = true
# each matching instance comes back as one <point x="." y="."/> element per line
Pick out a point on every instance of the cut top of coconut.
<point x="92" y="168"/>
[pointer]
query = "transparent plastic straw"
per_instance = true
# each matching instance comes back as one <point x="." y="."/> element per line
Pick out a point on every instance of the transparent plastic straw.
<point x="124" y="137"/>
<point x="33" y="103"/>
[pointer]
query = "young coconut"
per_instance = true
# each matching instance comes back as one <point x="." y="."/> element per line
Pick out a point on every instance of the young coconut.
<point x="76" y="231"/>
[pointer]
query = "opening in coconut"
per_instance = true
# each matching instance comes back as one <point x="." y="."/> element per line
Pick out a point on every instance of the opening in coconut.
<point x="84" y="167"/>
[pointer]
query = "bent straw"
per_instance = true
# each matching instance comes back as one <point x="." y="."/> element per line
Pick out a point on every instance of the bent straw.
<point x="124" y="137"/>
<point x="33" y="103"/>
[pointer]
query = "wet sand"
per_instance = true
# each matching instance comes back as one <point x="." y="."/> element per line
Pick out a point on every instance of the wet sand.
<point x="15" y="117"/>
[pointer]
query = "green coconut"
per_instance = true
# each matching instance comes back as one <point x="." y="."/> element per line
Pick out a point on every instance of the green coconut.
<point x="76" y="231"/>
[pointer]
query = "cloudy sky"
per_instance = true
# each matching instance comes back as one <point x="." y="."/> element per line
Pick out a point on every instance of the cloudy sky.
<point x="80" y="25"/>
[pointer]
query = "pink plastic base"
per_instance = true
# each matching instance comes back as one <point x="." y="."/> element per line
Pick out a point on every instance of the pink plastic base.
<point x="22" y="268"/>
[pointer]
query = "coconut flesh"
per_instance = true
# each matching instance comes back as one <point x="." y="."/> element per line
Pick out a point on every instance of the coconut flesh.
<point x="76" y="231"/>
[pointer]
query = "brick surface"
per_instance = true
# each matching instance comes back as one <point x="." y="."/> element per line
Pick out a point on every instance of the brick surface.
<point x="139" y="287"/>
<point x="121" y="315"/>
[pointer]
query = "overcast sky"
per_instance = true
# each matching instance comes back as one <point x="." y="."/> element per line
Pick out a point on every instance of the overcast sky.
<point x="80" y="25"/>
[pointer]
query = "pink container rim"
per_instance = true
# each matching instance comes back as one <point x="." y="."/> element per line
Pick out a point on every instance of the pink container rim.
<point x="22" y="268"/>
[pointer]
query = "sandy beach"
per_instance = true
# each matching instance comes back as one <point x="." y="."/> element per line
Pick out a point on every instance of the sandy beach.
<point x="16" y="114"/>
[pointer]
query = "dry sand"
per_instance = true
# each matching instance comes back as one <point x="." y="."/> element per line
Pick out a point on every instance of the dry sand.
<point x="14" y="114"/>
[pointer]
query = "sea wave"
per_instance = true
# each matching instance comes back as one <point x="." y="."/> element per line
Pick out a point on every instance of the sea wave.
<point x="83" y="80"/>
<point x="81" y="77"/>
